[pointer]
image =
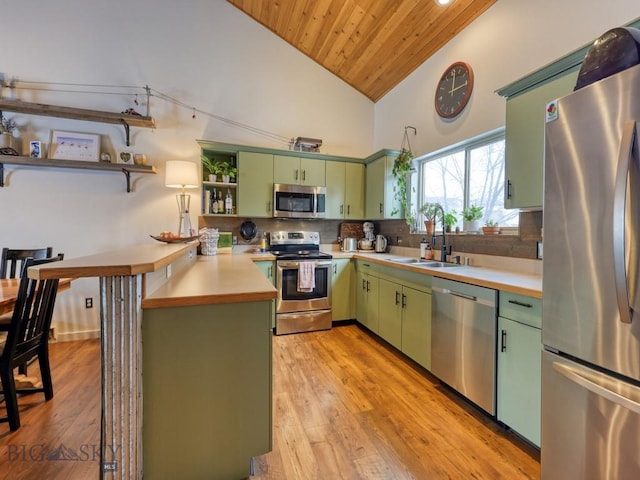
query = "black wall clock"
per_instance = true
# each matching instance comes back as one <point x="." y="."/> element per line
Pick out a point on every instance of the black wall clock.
<point x="454" y="90"/>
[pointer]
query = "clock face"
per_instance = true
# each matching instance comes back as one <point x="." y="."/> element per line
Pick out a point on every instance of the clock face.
<point x="454" y="89"/>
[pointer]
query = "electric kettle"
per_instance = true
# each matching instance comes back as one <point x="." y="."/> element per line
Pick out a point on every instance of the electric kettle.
<point x="381" y="244"/>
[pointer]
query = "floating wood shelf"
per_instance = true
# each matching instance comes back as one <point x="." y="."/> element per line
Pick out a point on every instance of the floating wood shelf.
<point x="77" y="164"/>
<point x="124" y="119"/>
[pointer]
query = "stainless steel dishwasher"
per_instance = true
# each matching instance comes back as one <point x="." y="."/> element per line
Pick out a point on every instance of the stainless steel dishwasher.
<point x="463" y="340"/>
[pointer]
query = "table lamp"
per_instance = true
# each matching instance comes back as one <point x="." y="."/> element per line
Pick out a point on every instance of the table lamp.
<point x="182" y="174"/>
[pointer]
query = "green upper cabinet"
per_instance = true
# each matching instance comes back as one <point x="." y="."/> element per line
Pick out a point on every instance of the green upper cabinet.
<point x="299" y="171"/>
<point x="255" y="184"/>
<point x="345" y="190"/>
<point x="524" y="139"/>
<point x="380" y="201"/>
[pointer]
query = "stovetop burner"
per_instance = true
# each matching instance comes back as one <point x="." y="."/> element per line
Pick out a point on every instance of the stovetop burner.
<point x="297" y="245"/>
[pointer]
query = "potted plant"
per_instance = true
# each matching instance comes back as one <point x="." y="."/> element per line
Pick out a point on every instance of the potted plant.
<point x="7" y="127"/>
<point x="429" y="211"/>
<point x="491" y="228"/>
<point x="401" y="171"/>
<point x="471" y="216"/>
<point x="450" y="219"/>
<point x="209" y="166"/>
<point x="227" y="171"/>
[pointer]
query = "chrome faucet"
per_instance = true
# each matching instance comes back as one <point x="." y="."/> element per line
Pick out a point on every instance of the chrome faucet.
<point x="444" y="250"/>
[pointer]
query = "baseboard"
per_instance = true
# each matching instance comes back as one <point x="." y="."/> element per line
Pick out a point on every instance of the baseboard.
<point x="71" y="336"/>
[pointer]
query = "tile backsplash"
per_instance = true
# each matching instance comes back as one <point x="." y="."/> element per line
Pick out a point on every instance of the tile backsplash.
<point x="523" y="245"/>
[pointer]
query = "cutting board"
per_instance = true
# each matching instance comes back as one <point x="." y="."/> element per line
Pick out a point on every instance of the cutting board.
<point x="351" y="230"/>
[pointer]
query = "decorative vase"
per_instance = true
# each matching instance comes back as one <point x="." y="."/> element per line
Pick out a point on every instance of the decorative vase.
<point x="430" y="226"/>
<point x="6" y="140"/>
<point x="213" y="177"/>
<point x="225" y="178"/>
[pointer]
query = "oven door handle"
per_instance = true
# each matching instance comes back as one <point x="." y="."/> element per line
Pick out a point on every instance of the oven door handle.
<point x="286" y="264"/>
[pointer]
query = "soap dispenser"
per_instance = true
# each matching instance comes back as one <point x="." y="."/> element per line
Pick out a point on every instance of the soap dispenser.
<point x="423" y="247"/>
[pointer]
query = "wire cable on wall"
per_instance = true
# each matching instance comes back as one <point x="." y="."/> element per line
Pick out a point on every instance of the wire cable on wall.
<point x="100" y="89"/>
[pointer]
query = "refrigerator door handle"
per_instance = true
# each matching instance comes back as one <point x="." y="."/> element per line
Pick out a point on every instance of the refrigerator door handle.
<point x="625" y="156"/>
<point x="589" y="381"/>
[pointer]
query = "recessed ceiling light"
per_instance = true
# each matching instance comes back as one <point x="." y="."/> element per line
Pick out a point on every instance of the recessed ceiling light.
<point x="443" y="2"/>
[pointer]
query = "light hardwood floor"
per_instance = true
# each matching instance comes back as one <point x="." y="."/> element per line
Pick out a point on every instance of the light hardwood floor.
<point x="346" y="406"/>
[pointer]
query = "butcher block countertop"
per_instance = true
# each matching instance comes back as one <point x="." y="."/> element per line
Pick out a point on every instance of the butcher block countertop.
<point x="529" y="284"/>
<point x="211" y="280"/>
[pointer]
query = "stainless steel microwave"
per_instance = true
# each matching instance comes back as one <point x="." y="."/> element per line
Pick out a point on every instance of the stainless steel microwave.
<point x="299" y="201"/>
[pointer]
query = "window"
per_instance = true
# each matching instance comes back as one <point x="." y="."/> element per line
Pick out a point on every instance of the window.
<point x="471" y="173"/>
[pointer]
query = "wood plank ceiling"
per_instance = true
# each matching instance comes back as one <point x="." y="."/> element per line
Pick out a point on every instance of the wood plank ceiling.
<point x="370" y="44"/>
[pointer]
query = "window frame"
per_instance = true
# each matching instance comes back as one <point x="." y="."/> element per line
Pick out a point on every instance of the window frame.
<point x="466" y="146"/>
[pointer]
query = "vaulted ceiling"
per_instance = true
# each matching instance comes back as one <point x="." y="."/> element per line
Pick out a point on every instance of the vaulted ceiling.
<point x="370" y="44"/>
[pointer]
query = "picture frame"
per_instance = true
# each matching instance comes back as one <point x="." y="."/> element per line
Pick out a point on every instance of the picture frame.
<point x="35" y="149"/>
<point x="74" y="146"/>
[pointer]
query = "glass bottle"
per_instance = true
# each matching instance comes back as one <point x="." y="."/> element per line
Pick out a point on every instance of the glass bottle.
<point x="220" y="202"/>
<point x="214" y="202"/>
<point x="228" y="203"/>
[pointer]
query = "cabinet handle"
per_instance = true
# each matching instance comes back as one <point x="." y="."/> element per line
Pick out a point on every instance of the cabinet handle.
<point x="304" y="175"/>
<point x="509" y="195"/>
<point x="341" y="209"/>
<point x="367" y="285"/>
<point x="404" y="300"/>
<point x="397" y="300"/>
<point x="270" y="271"/>
<point x="348" y="209"/>
<point x="521" y="304"/>
<point x="363" y="284"/>
<point x="380" y="207"/>
<point x="503" y="341"/>
<point x="335" y="269"/>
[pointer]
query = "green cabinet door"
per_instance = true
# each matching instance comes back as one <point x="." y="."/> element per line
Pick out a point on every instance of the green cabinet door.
<point x="345" y="190"/>
<point x="267" y="267"/>
<point x="367" y="309"/>
<point x="313" y="172"/>
<point x="336" y="185"/>
<point x="299" y="171"/>
<point x="390" y="313"/>
<point x="343" y="289"/>
<point x="255" y="184"/>
<point x="519" y="377"/>
<point x="354" y="191"/>
<point x="380" y="201"/>
<point x="524" y="141"/>
<point x="416" y="326"/>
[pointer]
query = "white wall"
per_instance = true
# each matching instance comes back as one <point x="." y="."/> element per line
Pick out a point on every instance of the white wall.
<point x="205" y="53"/>
<point x="509" y="41"/>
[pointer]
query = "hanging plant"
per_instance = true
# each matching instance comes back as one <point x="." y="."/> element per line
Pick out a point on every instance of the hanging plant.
<point x="401" y="172"/>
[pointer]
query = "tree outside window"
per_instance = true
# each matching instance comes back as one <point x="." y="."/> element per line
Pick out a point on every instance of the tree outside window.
<point x="469" y="174"/>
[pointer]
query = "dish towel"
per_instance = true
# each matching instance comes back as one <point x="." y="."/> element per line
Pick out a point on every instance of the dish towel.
<point x="306" y="276"/>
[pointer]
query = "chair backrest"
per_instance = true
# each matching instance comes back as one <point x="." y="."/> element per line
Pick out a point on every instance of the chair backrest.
<point x="31" y="315"/>
<point x="12" y="260"/>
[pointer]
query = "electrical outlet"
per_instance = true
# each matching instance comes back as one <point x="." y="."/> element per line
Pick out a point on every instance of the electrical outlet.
<point x="539" y="253"/>
<point x="88" y="302"/>
<point x="169" y="271"/>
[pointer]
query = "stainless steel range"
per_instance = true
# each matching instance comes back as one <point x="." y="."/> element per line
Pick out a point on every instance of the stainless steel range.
<point x="303" y="281"/>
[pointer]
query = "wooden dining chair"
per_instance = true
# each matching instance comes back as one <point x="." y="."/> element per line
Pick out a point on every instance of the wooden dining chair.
<point x="12" y="259"/>
<point x="28" y="337"/>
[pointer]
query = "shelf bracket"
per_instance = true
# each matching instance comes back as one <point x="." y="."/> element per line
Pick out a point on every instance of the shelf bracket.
<point x="126" y="130"/>
<point x="127" y="174"/>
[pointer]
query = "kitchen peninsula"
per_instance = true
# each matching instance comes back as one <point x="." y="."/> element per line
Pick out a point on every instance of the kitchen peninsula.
<point x="205" y="369"/>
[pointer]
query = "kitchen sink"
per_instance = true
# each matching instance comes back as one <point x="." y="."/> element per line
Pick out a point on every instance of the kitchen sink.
<point x="412" y="261"/>
<point x="439" y="264"/>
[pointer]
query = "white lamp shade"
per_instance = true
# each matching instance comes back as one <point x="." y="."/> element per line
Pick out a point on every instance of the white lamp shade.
<point x="181" y="174"/>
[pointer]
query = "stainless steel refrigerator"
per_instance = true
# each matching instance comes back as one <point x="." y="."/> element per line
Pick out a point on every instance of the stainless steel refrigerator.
<point x="591" y="298"/>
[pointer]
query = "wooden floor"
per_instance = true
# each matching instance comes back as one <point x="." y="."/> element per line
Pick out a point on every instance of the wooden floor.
<point x="346" y="406"/>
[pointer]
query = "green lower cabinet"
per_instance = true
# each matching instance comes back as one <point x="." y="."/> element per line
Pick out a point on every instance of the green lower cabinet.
<point x="267" y="267"/>
<point x="343" y="306"/>
<point x="367" y="309"/>
<point x="392" y="301"/>
<point x="416" y="326"/>
<point x="519" y="377"/>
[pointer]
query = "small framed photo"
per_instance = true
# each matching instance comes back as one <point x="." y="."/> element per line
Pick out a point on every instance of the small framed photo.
<point x="35" y="149"/>
<point x="74" y="146"/>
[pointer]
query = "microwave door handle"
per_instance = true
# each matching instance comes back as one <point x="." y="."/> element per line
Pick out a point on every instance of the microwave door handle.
<point x="627" y="144"/>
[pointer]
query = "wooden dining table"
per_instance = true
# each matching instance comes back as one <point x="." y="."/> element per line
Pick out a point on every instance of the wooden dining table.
<point x="9" y="292"/>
